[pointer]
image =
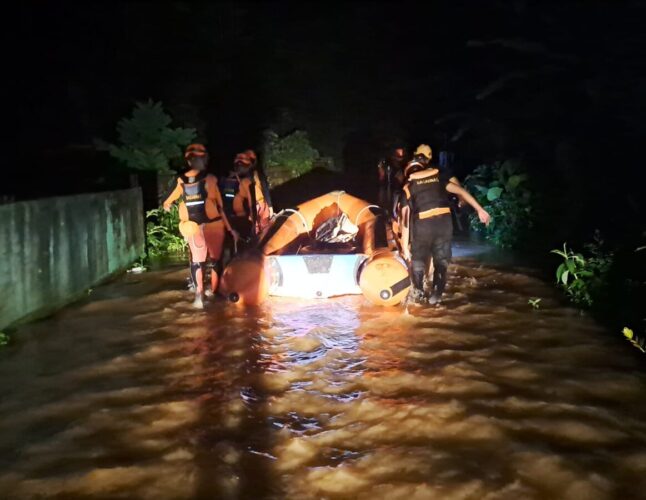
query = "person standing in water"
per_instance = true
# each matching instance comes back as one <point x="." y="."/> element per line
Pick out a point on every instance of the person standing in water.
<point x="390" y="174"/>
<point x="253" y="196"/>
<point x="426" y="213"/>
<point x="424" y="155"/>
<point x="202" y="219"/>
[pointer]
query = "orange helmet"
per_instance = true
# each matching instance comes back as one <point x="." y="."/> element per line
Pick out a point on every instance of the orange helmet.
<point x="251" y="154"/>
<point x="195" y="150"/>
<point x="242" y="159"/>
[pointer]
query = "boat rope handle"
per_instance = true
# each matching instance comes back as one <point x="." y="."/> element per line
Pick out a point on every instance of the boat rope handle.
<point x="295" y="212"/>
<point x="338" y="202"/>
<point x="356" y="219"/>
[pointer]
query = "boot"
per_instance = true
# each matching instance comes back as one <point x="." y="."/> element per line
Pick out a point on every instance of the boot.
<point x="435" y="298"/>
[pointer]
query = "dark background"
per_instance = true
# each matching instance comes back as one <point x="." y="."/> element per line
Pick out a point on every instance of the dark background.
<point x="561" y="85"/>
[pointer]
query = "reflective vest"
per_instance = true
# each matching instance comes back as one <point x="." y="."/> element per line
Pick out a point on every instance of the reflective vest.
<point x="229" y="187"/>
<point x="195" y="197"/>
<point x="426" y="195"/>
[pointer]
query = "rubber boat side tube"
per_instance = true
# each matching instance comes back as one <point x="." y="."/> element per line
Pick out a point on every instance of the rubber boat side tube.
<point x="384" y="279"/>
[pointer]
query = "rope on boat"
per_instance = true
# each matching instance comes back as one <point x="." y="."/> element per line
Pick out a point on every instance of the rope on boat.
<point x="356" y="220"/>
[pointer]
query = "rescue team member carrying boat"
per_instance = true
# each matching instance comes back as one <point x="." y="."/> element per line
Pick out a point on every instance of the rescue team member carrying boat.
<point x="424" y="155"/>
<point x="202" y="220"/>
<point x="427" y="214"/>
<point x="254" y="193"/>
<point x="246" y="196"/>
<point x="233" y="203"/>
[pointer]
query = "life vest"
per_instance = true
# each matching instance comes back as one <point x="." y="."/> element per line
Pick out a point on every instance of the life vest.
<point x="195" y="198"/>
<point x="426" y="195"/>
<point x="229" y="187"/>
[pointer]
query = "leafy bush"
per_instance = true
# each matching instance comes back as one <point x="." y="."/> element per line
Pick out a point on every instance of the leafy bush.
<point x="162" y="233"/>
<point x="288" y="156"/>
<point x="502" y="190"/>
<point x="584" y="277"/>
<point x="146" y="140"/>
<point x="4" y="339"/>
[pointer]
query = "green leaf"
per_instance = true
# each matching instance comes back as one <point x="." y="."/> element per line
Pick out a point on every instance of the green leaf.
<point x="494" y="193"/>
<point x="559" y="272"/>
<point x="628" y="333"/>
<point x="564" y="277"/>
<point x="570" y="265"/>
<point x="514" y="181"/>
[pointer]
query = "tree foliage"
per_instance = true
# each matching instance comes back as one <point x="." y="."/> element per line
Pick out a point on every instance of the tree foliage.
<point x="147" y="141"/>
<point x="502" y="190"/>
<point x="288" y="156"/>
<point x="162" y="233"/>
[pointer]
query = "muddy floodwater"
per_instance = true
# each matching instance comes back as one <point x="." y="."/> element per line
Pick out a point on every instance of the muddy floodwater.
<point x="133" y="394"/>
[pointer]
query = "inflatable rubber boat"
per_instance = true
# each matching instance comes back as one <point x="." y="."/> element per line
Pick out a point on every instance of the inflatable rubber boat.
<point x="328" y="246"/>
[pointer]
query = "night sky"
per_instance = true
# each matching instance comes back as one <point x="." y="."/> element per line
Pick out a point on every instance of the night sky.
<point x="560" y="84"/>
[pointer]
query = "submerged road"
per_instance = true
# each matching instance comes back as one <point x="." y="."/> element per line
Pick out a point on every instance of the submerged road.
<point x="133" y="394"/>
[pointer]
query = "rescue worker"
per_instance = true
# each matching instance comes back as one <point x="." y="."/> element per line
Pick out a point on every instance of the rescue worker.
<point x="427" y="215"/>
<point x="253" y="195"/>
<point x="261" y="180"/>
<point x="202" y="219"/>
<point x="233" y="200"/>
<point x="424" y="154"/>
<point x="390" y="171"/>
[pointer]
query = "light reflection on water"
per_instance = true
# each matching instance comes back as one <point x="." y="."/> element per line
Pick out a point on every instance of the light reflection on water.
<point x="133" y="394"/>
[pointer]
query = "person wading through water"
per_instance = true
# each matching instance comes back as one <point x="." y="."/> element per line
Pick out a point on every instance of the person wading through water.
<point x="427" y="215"/>
<point x="234" y="205"/>
<point x="202" y="219"/>
<point x="254" y="192"/>
<point x="424" y="155"/>
<point x="390" y="172"/>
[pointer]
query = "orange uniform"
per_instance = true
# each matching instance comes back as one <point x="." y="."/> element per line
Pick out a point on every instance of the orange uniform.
<point x="201" y="203"/>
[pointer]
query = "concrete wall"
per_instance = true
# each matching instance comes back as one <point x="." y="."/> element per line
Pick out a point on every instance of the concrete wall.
<point x="52" y="250"/>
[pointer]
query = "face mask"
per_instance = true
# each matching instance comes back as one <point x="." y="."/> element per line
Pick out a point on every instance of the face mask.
<point x="198" y="163"/>
<point x="240" y="169"/>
